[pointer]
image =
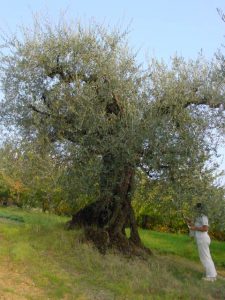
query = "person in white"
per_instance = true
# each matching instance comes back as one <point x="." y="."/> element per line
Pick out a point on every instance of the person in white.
<point x="200" y="229"/>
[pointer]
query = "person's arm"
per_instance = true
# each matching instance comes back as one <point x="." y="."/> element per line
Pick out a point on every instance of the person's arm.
<point x="202" y="228"/>
<point x="189" y="223"/>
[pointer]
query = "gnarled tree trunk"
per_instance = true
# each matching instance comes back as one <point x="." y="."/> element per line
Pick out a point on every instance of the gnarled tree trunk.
<point x="106" y="219"/>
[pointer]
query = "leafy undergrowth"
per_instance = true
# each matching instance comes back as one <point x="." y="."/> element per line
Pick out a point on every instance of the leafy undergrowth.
<point x="52" y="263"/>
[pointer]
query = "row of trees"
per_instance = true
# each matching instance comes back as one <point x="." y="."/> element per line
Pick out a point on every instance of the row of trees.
<point x="31" y="179"/>
<point x="91" y="114"/>
<point x="162" y="205"/>
<point x="32" y="176"/>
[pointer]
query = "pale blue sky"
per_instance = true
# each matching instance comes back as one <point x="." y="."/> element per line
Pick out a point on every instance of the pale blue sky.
<point x="159" y="28"/>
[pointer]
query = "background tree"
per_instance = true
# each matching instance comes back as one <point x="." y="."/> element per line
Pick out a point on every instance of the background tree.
<point x="30" y="177"/>
<point x="36" y="176"/>
<point x="4" y="190"/>
<point x="11" y="179"/>
<point x="162" y="204"/>
<point x="82" y="90"/>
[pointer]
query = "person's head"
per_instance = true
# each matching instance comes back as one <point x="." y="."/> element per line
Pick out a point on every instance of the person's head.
<point x="199" y="208"/>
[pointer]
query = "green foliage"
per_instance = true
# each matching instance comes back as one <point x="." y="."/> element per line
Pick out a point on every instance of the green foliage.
<point x="76" y="95"/>
<point x="162" y="205"/>
<point x="4" y="189"/>
<point x="44" y="179"/>
<point x="84" y="85"/>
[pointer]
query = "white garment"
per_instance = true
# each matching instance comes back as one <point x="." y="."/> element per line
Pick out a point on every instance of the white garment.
<point x="203" y="242"/>
<point x="199" y="222"/>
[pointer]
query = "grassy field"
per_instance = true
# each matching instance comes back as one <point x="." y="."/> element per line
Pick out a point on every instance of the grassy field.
<point x="39" y="259"/>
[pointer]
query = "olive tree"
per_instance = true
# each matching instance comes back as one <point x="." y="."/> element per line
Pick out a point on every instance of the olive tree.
<point x="82" y="89"/>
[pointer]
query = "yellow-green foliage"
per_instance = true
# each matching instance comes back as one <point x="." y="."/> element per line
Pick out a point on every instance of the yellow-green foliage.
<point x="167" y="202"/>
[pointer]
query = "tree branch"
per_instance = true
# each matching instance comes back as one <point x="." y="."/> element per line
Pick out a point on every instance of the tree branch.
<point x="205" y="101"/>
<point x="34" y="108"/>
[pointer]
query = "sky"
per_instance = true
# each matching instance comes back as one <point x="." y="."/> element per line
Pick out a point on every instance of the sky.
<point x="158" y="28"/>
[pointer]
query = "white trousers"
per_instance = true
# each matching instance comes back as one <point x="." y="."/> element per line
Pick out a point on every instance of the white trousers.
<point x="205" y="256"/>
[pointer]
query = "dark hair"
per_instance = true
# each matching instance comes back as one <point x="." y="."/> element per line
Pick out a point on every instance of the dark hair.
<point x="201" y="208"/>
<point x="199" y="205"/>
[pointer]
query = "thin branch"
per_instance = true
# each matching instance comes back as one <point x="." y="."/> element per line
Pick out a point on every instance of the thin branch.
<point x="34" y="108"/>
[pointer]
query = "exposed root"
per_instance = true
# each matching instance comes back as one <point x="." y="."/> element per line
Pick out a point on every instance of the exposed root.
<point x="104" y="241"/>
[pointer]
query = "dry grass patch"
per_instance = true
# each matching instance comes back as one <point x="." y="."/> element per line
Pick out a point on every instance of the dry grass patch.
<point x="16" y="285"/>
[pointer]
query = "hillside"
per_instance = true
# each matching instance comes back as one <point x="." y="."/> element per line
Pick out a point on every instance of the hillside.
<point x="39" y="259"/>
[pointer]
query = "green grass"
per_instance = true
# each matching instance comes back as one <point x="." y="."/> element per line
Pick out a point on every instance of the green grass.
<point x="11" y="217"/>
<point x="64" y="268"/>
<point x="181" y="245"/>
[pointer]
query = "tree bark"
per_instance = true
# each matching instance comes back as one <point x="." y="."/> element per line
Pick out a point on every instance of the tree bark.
<point x="105" y="220"/>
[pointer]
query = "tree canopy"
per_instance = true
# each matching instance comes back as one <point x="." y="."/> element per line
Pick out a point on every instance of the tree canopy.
<point x="82" y="90"/>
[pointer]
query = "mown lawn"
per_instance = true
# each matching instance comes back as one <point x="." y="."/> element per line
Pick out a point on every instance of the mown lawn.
<point x="62" y="267"/>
